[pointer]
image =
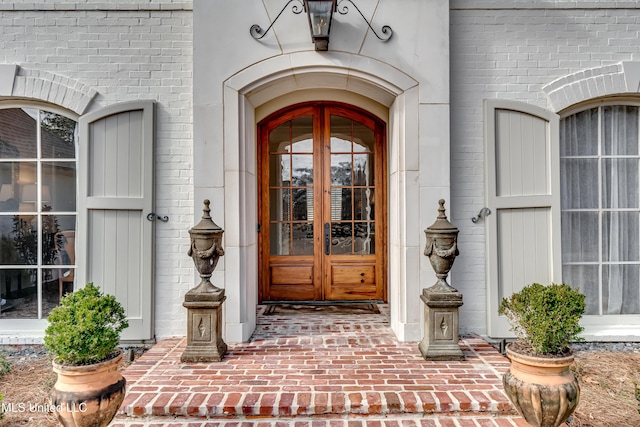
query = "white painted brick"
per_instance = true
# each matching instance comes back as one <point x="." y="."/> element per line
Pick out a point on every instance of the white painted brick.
<point x="118" y="53"/>
<point x="498" y="51"/>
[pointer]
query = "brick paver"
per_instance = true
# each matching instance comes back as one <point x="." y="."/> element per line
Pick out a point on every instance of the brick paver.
<point x="369" y="421"/>
<point x="318" y="370"/>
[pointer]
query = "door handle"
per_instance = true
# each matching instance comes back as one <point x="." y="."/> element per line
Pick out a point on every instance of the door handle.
<point x="327" y="238"/>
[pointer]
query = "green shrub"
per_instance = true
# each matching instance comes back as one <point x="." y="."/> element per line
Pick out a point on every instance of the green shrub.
<point x="545" y="317"/>
<point x="85" y="328"/>
<point x="5" y="366"/>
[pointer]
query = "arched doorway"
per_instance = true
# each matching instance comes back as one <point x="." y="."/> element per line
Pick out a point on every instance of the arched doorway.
<point x="322" y="204"/>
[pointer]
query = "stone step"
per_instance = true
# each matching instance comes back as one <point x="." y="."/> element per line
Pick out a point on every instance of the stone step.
<point x="282" y="403"/>
<point x="434" y="420"/>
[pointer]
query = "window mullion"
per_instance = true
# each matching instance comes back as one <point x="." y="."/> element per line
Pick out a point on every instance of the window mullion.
<point x="600" y="212"/>
<point x="37" y="209"/>
<point x="638" y="183"/>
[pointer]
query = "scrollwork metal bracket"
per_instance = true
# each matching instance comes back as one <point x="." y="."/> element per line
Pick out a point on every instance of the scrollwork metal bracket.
<point x="256" y="30"/>
<point x="386" y="30"/>
<point x="484" y="212"/>
<point x="153" y="216"/>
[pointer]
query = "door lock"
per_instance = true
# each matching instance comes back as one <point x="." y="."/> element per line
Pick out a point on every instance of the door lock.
<point x="327" y="238"/>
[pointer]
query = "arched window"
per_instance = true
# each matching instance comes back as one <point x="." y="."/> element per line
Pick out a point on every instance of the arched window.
<point x="38" y="162"/>
<point x="600" y="185"/>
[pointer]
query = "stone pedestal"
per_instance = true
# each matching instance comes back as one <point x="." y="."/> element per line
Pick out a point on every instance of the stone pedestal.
<point x="204" y="302"/>
<point x="440" y="341"/>
<point x="441" y="301"/>
<point x="204" y="328"/>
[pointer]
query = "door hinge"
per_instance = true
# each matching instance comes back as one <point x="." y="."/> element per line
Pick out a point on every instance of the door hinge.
<point x="258" y="228"/>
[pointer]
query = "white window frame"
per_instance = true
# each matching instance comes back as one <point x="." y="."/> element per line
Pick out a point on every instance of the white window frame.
<point x="606" y="327"/>
<point x="34" y="327"/>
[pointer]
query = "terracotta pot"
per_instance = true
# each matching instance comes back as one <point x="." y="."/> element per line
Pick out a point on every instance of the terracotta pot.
<point x="88" y="395"/>
<point x="543" y="389"/>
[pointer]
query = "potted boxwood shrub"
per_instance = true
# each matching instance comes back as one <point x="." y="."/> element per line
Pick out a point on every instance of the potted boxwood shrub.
<point x="83" y="334"/>
<point x="540" y="383"/>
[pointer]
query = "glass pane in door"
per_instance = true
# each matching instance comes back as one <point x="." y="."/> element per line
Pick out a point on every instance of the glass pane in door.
<point x="291" y="187"/>
<point x="352" y="188"/>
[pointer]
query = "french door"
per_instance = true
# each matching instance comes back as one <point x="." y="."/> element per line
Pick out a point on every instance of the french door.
<point x="322" y="200"/>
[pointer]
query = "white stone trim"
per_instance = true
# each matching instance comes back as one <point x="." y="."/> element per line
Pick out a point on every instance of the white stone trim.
<point x="616" y="79"/>
<point x="276" y="77"/>
<point x="18" y="82"/>
<point x="280" y="75"/>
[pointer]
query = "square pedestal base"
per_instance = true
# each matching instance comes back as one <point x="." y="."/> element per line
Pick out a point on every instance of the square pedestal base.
<point x="440" y="341"/>
<point x="204" y="331"/>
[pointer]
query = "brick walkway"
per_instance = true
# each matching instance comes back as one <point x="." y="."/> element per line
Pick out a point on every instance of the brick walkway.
<point x="318" y="370"/>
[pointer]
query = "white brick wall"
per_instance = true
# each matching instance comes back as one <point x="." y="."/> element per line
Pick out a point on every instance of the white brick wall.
<point x="124" y="50"/>
<point x="512" y="49"/>
<point x="140" y="49"/>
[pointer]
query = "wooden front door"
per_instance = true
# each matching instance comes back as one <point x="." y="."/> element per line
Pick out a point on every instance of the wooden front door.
<point x="322" y="202"/>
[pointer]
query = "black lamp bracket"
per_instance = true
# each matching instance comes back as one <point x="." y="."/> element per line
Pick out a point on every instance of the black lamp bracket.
<point x="258" y="33"/>
<point x="256" y="30"/>
<point x="344" y="9"/>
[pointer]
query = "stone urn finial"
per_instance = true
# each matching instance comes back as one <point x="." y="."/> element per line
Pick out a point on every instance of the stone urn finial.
<point x="205" y="250"/>
<point x="441" y="301"/>
<point x="441" y="248"/>
<point x="204" y="302"/>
